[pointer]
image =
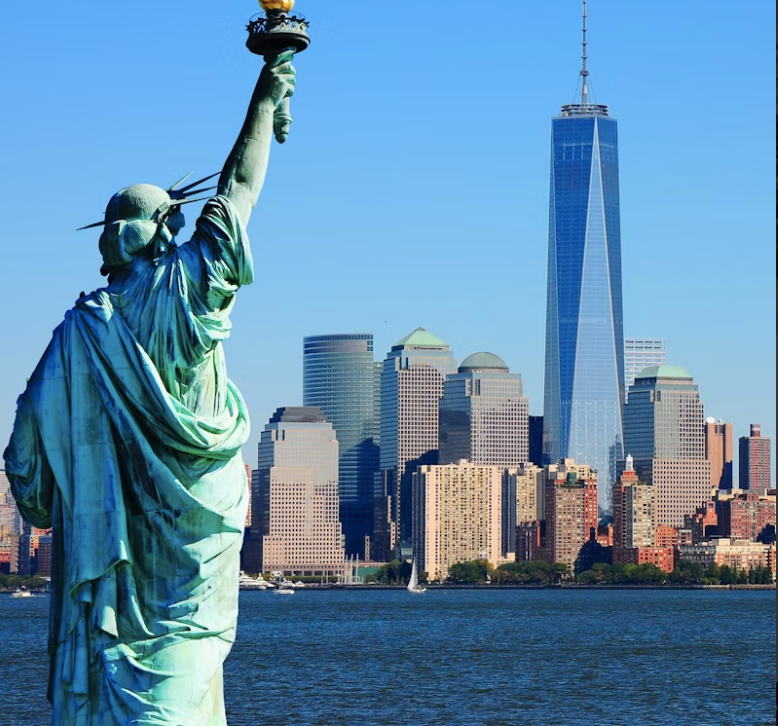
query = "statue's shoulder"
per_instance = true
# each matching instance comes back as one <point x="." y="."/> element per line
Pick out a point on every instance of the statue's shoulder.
<point x="97" y="304"/>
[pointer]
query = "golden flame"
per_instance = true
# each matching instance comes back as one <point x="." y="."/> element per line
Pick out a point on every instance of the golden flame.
<point x="285" y="5"/>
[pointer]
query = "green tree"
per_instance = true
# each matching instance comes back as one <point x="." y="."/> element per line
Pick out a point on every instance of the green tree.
<point x="473" y="572"/>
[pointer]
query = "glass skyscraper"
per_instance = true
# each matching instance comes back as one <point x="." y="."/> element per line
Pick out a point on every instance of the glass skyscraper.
<point x="584" y="378"/>
<point x="341" y="378"/>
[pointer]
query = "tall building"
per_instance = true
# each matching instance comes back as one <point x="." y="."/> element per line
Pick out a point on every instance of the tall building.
<point x="755" y="475"/>
<point x="571" y="511"/>
<point x="341" y="378"/>
<point x="484" y="414"/>
<point x="584" y="377"/>
<point x="296" y="495"/>
<point x="457" y="516"/>
<point x="523" y="500"/>
<point x="663" y="431"/>
<point x="411" y="388"/>
<point x="640" y="354"/>
<point x="536" y="440"/>
<point x="718" y="451"/>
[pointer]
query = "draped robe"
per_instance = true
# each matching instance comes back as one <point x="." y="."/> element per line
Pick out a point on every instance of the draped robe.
<point x="127" y="443"/>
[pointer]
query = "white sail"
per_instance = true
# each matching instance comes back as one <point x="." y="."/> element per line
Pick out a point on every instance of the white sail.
<point x="414" y="581"/>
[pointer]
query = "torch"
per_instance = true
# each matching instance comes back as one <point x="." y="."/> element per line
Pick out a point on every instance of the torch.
<point x="272" y="35"/>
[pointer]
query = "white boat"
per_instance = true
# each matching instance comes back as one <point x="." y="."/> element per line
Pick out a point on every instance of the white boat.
<point x="21" y="592"/>
<point x="413" y="583"/>
<point x="246" y="582"/>
<point x="283" y="591"/>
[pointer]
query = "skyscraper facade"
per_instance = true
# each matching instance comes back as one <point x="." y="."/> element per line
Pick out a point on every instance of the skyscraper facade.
<point x="484" y="414"/>
<point x="639" y="354"/>
<point x="755" y="475"/>
<point x="719" y="437"/>
<point x="411" y="388"/>
<point x="663" y="431"/>
<point x="295" y="512"/>
<point x="341" y="378"/>
<point x="584" y="377"/>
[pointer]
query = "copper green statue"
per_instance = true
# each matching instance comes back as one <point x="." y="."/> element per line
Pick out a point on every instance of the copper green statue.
<point x="127" y="442"/>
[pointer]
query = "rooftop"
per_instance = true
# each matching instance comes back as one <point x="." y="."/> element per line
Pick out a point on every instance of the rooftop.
<point x="483" y="362"/>
<point x="664" y="372"/>
<point x="420" y="338"/>
<point x="298" y="414"/>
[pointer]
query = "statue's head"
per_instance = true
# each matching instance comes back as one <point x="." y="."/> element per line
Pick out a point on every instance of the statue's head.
<point x="137" y="217"/>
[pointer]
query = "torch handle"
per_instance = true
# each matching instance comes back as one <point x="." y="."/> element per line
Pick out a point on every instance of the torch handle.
<point x="282" y="118"/>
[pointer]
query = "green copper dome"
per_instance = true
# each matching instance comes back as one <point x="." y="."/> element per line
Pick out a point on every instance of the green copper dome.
<point x="664" y="372"/>
<point x="420" y="338"/>
<point x="483" y="362"/>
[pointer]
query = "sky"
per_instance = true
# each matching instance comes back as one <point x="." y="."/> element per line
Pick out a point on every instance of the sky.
<point x="413" y="189"/>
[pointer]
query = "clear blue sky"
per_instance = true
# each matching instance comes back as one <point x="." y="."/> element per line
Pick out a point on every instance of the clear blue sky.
<point x="414" y="187"/>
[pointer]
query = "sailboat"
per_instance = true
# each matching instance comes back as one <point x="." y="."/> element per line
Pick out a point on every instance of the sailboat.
<point x="413" y="583"/>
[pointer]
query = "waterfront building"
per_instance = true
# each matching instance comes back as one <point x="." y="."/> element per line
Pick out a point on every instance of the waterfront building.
<point x="484" y="414"/>
<point x="457" y="516"/>
<point x="639" y="354"/>
<point x="584" y="369"/>
<point x="296" y="495"/>
<point x="718" y="451"/>
<point x="411" y="389"/>
<point x="523" y="501"/>
<point x="744" y="514"/>
<point x="536" y="440"/>
<point x="634" y="528"/>
<point x="341" y="378"/>
<point x="663" y="431"/>
<point x="755" y="474"/>
<point x="10" y="519"/>
<point x="571" y="511"/>
<point x="741" y="554"/>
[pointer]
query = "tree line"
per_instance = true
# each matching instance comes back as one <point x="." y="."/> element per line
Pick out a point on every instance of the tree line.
<point x="480" y="572"/>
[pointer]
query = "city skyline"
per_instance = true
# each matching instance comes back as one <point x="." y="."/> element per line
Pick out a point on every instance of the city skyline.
<point x="487" y="200"/>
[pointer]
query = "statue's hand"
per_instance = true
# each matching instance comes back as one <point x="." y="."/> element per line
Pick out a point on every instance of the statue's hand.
<point x="278" y="78"/>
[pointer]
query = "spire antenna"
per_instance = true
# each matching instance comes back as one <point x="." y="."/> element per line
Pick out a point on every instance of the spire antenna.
<point x="584" y="71"/>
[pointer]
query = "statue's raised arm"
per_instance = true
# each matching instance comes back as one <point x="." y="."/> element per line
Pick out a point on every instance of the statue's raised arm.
<point x="244" y="173"/>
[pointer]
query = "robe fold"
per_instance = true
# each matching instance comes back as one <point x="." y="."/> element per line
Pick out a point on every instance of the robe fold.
<point x="127" y="443"/>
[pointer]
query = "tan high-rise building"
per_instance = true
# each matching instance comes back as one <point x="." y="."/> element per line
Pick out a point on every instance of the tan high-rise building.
<point x="719" y="438"/>
<point x="663" y="431"/>
<point x="484" y="414"/>
<point x="633" y="511"/>
<point x="523" y="500"/>
<point x="457" y="516"/>
<point x="755" y="470"/>
<point x="411" y="387"/>
<point x="295" y="504"/>
<point x="571" y="510"/>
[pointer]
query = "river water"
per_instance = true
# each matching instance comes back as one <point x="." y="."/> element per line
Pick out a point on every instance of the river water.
<point x="469" y="658"/>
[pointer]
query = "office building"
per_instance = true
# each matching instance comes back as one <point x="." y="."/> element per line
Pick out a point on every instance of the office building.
<point x="536" y="440"/>
<point x="584" y="376"/>
<point x="484" y="414"/>
<point x="411" y="389"/>
<point x="457" y="516"/>
<point x="341" y="378"/>
<point x="640" y="354"/>
<point x="295" y="512"/>
<point x="755" y="475"/>
<point x="571" y="511"/>
<point x="663" y="431"/>
<point x="718" y="451"/>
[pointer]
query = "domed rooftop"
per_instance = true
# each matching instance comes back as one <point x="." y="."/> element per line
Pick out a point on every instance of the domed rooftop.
<point x="483" y="362"/>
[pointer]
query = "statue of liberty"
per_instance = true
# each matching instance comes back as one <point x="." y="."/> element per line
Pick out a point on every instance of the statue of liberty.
<point x="127" y="444"/>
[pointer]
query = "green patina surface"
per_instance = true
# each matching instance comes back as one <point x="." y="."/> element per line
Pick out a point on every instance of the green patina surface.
<point x="127" y="443"/>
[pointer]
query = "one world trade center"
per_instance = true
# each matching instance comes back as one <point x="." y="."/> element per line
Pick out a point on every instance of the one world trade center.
<point x="584" y="377"/>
